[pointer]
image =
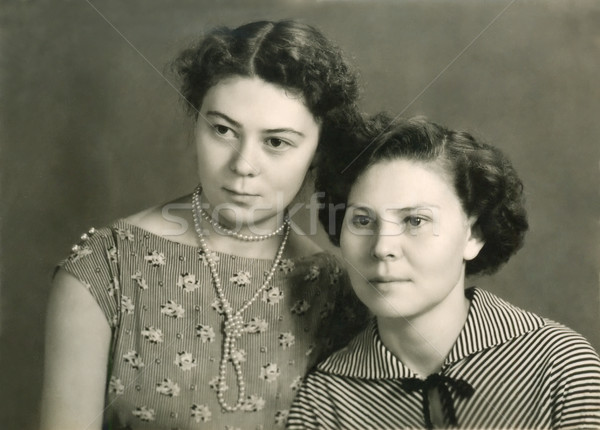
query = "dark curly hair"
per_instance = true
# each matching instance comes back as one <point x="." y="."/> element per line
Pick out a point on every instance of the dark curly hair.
<point x="290" y="54"/>
<point x="485" y="181"/>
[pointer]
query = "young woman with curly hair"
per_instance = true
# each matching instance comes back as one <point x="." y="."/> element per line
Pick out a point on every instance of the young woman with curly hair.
<point x="415" y="208"/>
<point x="210" y="318"/>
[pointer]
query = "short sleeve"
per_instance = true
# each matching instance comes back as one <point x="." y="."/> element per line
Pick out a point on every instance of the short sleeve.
<point x="94" y="261"/>
<point x="576" y="384"/>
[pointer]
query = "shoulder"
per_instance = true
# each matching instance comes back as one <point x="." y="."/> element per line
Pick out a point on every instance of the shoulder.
<point x="566" y="342"/>
<point x="171" y="220"/>
<point x="359" y="358"/>
<point x="301" y="246"/>
<point x="92" y="244"/>
<point x="521" y="326"/>
<point x="319" y="268"/>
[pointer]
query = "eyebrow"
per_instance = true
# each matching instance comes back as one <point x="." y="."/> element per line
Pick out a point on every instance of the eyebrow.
<point x="284" y="130"/>
<point x="223" y="116"/>
<point x="238" y="125"/>
<point x="403" y="209"/>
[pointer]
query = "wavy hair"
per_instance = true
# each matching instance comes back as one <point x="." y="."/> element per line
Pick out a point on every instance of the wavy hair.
<point x="290" y="54"/>
<point x="483" y="178"/>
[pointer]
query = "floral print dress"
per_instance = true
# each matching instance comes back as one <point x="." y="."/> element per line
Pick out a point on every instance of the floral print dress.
<point x="160" y="301"/>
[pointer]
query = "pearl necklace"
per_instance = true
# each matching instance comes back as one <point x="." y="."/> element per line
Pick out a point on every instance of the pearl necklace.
<point x="233" y="323"/>
<point x="246" y="238"/>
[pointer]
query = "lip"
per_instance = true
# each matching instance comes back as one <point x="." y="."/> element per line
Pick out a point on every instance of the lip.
<point x="387" y="280"/>
<point x="239" y="193"/>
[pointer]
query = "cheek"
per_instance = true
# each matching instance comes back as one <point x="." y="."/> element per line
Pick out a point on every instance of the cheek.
<point x="440" y="259"/>
<point x="203" y="156"/>
<point x="295" y="165"/>
<point x="354" y="248"/>
<point x="289" y="176"/>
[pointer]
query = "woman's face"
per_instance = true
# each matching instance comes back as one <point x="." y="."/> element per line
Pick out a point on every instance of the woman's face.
<point x="405" y="239"/>
<point x="255" y="143"/>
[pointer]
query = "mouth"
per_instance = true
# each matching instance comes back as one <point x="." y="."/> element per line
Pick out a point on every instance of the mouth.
<point x="237" y="193"/>
<point x="387" y="280"/>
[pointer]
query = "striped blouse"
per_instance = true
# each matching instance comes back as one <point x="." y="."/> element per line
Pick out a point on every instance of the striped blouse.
<point x="508" y="369"/>
<point x="159" y="298"/>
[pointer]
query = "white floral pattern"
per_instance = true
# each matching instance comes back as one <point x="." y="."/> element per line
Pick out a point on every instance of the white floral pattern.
<point x="205" y="333"/>
<point x="241" y="278"/>
<point x="185" y="360"/>
<point x="116" y="386"/>
<point x="327" y="309"/>
<point x="296" y="383"/>
<point x="253" y="403"/>
<point x="286" y="340"/>
<point x="134" y="359"/>
<point x="188" y="282"/>
<point x="168" y="388"/>
<point x="270" y="372"/>
<point x="272" y="296"/>
<point x="127" y="305"/>
<point x="281" y="416"/>
<point x="300" y="307"/>
<point x="113" y="286"/>
<point x="153" y="335"/>
<point x="175" y="330"/>
<point x="217" y="306"/>
<point x="172" y="309"/>
<point x="256" y="325"/>
<point x="335" y="275"/>
<point x="141" y="282"/>
<point x="287" y="265"/>
<point x="213" y="256"/>
<point x="79" y="252"/>
<point x="144" y="413"/>
<point x="201" y="413"/>
<point x="214" y="384"/>
<point x="238" y="356"/>
<point x="313" y="274"/>
<point x="125" y="234"/>
<point x="112" y="254"/>
<point x="155" y="258"/>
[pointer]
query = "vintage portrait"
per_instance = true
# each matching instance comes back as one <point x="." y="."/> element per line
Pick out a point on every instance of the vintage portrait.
<point x="320" y="214"/>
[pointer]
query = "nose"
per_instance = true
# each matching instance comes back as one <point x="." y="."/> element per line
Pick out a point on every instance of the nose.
<point x="386" y="245"/>
<point x="245" y="159"/>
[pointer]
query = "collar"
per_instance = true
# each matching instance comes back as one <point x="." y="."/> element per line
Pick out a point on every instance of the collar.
<point x="491" y="321"/>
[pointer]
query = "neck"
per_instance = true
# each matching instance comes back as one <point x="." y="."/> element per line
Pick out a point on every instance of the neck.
<point x="216" y="241"/>
<point x="257" y="231"/>
<point x="422" y="342"/>
<point x="246" y="240"/>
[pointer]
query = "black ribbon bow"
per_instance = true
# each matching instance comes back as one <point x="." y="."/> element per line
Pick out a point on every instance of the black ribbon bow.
<point x="443" y="384"/>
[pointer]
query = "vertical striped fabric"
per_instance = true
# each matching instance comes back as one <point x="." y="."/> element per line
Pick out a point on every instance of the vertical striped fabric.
<point x="527" y="373"/>
<point x="159" y="298"/>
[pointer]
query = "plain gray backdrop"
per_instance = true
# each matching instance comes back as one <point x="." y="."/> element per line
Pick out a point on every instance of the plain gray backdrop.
<point x="91" y="131"/>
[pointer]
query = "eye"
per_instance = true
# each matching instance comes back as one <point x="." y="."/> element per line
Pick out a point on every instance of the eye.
<point x="277" y="144"/>
<point x="414" y="221"/>
<point x="223" y="131"/>
<point x="362" y="221"/>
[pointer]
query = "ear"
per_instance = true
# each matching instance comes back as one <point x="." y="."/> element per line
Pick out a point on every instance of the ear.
<point x="474" y="242"/>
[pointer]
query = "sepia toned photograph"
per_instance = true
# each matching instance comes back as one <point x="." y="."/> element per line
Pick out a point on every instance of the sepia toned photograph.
<point x="299" y="214"/>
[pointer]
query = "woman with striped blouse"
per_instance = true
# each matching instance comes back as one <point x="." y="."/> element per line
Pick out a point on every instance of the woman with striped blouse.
<point x="424" y="207"/>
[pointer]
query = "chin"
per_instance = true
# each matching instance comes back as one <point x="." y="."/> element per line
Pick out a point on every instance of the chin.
<point x="387" y="308"/>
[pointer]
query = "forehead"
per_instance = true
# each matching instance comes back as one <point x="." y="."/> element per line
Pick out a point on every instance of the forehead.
<point x="403" y="182"/>
<point x="255" y="98"/>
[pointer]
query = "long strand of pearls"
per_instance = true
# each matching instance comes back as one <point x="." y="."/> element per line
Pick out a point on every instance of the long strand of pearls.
<point x="233" y="323"/>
